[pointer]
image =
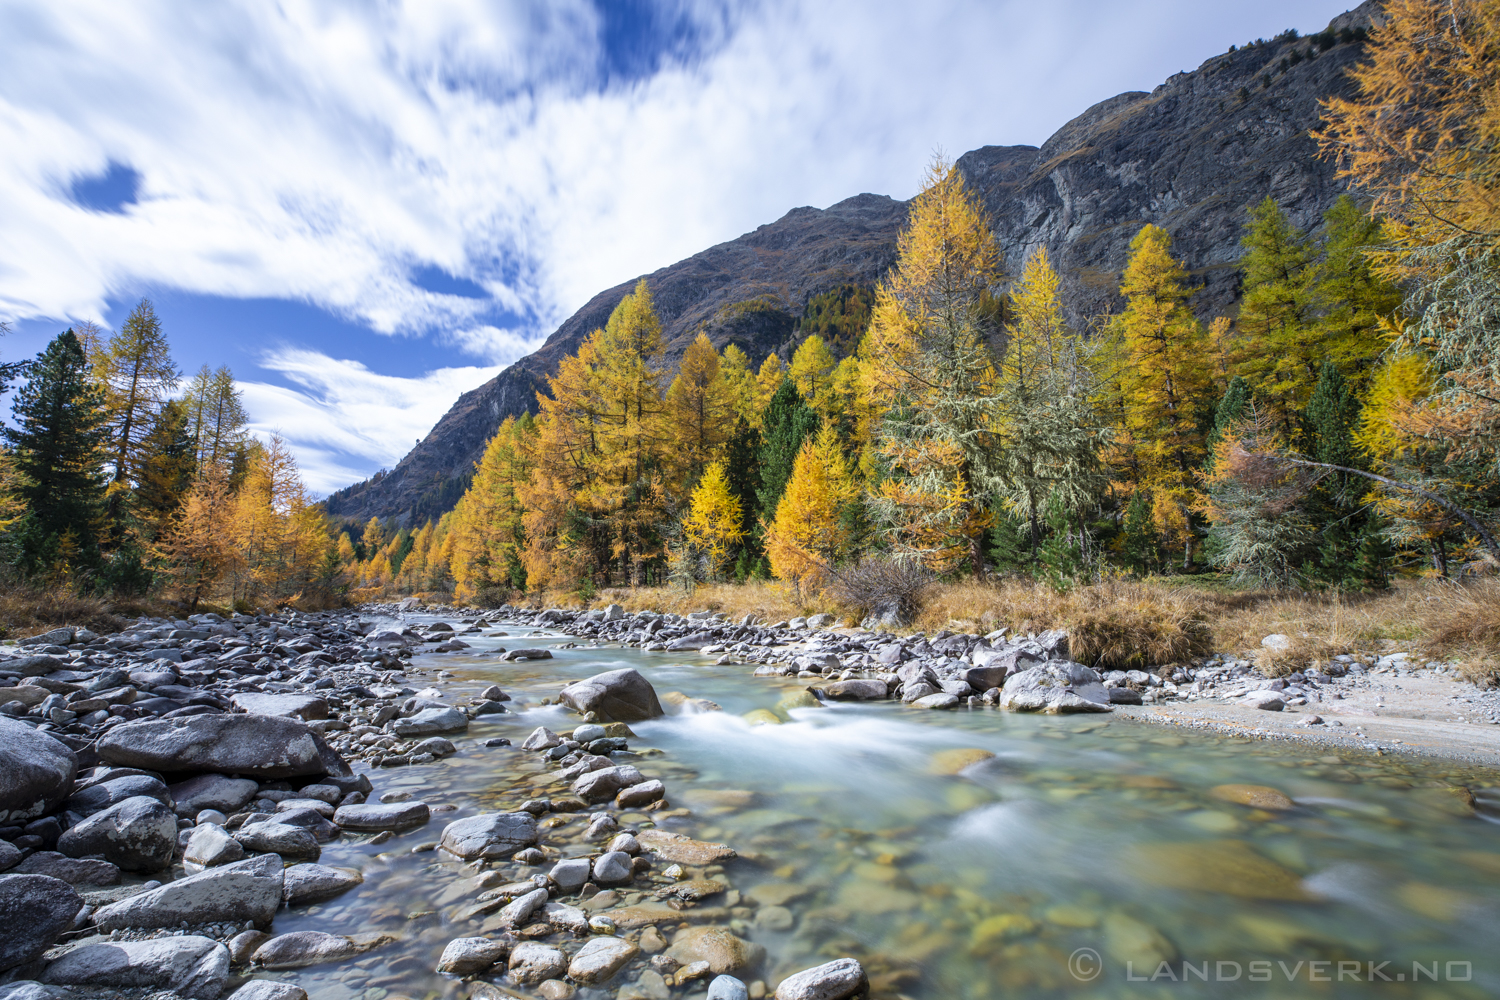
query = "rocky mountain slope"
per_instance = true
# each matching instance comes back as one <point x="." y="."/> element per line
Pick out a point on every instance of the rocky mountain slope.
<point x="1191" y="156"/>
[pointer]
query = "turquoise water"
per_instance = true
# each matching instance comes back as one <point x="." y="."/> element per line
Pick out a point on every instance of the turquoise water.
<point x="1084" y="857"/>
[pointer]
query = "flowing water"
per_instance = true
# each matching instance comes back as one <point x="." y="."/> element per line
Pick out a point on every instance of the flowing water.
<point x="1088" y="857"/>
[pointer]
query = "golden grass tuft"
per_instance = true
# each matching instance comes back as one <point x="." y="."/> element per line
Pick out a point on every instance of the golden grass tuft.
<point x="767" y="601"/>
<point x="26" y="610"/>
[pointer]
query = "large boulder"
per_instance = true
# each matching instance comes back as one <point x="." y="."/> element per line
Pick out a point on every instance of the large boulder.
<point x="138" y="834"/>
<point x="992" y="667"/>
<point x="617" y="695"/>
<point x="193" y="967"/>
<point x="34" y="910"/>
<point x="369" y="817"/>
<point x="1055" y="687"/>
<point x="857" y="689"/>
<point x="430" y="721"/>
<point x="36" y="773"/>
<point x="259" y="746"/>
<point x="74" y="871"/>
<point x="300" y="949"/>
<point x="246" y="890"/>
<point x="492" y="836"/>
<point x="307" y="884"/>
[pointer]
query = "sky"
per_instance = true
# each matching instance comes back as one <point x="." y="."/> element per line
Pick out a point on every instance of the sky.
<point x="367" y="208"/>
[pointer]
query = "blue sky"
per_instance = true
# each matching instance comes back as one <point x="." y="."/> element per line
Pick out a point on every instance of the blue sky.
<point x="365" y="209"/>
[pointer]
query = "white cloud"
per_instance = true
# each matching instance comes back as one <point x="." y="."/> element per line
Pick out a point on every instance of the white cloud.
<point x="319" y="150"/>
<point x="343" y="409"/>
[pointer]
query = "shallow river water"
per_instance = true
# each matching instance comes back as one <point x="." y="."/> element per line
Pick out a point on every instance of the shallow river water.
<point x="1089" y="857"/>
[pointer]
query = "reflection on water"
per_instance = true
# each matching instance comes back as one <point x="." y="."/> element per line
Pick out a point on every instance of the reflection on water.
<point x="856" y="838"/>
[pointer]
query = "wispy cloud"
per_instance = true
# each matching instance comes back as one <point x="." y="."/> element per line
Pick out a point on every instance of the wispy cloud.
<point x="326" y="151"/>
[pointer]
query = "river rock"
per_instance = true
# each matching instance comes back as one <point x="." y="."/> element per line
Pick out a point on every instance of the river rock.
<point x="570" y="875"/>
<point x="566" y="918"/>
<point x="614" y="696"/>
<point x="300" y="949"/>
<point x="518" y="912"/>
<point x="246" y="890"/>
<point x="369" y="817"/>
<point x="212" y="791"/>
<point x="956" y="760"/>
<point x="1055" y="687"/>
<point x="278" y="837"/>
<point x="683" y="850"/>
<point x="268" y="989"/>
<point x="718" y="946"/>
<point x="292" y="706"/>
<point x="435" y="745"/>
<point x="1266" y="701"/>
<point x="1256" y="796"/>
<point x="10" y="856"/>
<point x="644" y="793"/>
<point x="531" y="962"/>
<point x="601" y="785"/>
<point x="542" y="738"/>
<point x="138" y="834"/>
<point x="97" y="798"/>
<point x="36" y="772"/>
<point x="29" y="989"/>
<point x="840" y="980"/>
<point x="1227" y="866"/>
<point x="259" y="746"/>
<point x="34" y="666"/>
<point x="599" y="959"/>
<point x="939" y="700"/>
<point x="74" y="871"/>
<point x="209" y="846"/>
<point x="305" y="884"/>
<point x="856" y="689"/>
<point x="430" y="721"/>
<point x="493" y="836"/>
<point x="528" y="654"/>
<point x="193" y="967"/>
<point x="34" y="910"/>
<point x="470" y="955"/>
<point x="613" y="868"/>
<point x="1136" y="942"/>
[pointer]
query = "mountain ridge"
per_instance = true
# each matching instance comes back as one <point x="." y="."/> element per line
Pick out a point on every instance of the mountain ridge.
<point x="1191" y="156"/>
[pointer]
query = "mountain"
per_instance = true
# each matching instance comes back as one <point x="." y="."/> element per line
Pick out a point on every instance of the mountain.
<point x="1191" y="156"/>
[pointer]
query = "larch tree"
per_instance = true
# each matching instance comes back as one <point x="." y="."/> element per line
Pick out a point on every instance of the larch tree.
<point x="168" y="466"/>
<point x="1165" y="377"/>
<point x="932" y="370"/>
<point x="1281" y="349"/>
<point x="807" y="537"/>
<point x="700" y="410"/>
<point x="60" y="442"/>
<point x="744" y="391"/>
<point x="812" y="370"/>
<point x="216" y="415"/>
<point x="1049" y="431"/>
<point x="768" y="379"/>
<point x="714" y="522"/>
<point x="787" y="422"/>
<point x="488" y="522"/>
<point x="197" y="550"/>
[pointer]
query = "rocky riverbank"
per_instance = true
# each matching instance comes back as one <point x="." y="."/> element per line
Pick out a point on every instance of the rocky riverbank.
<point x="167" y="791"/>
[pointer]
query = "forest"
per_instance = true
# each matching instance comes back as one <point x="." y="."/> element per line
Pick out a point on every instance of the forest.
<point x="1337" y="432"/>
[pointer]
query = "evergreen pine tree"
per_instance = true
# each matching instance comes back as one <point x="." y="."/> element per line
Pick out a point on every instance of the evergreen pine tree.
<point x="1352" y="552"/>
<point x="787" y="422"/>
<point x="742" y="465"/>
<point x="59" y="443"/>
<point x="168" y="465"/>
<point x="1141" y="550"/>
<point x="1233" y="407"/>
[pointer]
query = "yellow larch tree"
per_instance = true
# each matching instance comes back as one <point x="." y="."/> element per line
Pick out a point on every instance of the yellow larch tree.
<point x="932" y="373"/>
<point x="812" y="369"/>
<point x="198" y="550"/>
<point x="1166" y="369"/>
<point x="487" y="524"/>
<point x="714" y="521"/>
<point x="767" y="380"/>
<point x="744" y="391"/>
<point x="700" y="411"/>
<point x="808" y="537"/>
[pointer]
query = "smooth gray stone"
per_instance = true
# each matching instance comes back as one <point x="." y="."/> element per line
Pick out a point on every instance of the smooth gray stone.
<point x="36" y="772"/>
<point x="138" y="834"/>
<point x="28" y="989"/>
<point x="96" y="798"/>
<point x="532" y="962"/>
<point x="213" y="791"/>
<point x="193" y="967"/>
<point x="210" y="845"/>
<point x="266" y="989"/>
<point x="291" y="706"/>
<point x="74" y="871"/>
<point x="570" y="875"/>
<point x="600" y="958"/>
<point x="430" y="721"/>
<point x="34" y="910"/>
<point x="10" y="855"/>
<point x="490" y="835"/>
<point x="727" y="988"/>
<point x="246" y="890"/>
<point x="469" y="955"/>
<point x="279" y="838"/>
<point x="837" y="980"/>
<point x="369" y="817"/>
<point x="306" y="884"/>
<point x="1055" y="687"/>
<point x="300" y="949"/>
<point x="259" y="746"/>
<point x="613" y="868"/>
<point x="616" y="695"/>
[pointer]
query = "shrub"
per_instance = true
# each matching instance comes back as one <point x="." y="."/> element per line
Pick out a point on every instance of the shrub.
<point x="892" y="591"/>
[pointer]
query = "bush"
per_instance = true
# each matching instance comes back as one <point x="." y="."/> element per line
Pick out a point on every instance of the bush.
<point x="892" y="591"/>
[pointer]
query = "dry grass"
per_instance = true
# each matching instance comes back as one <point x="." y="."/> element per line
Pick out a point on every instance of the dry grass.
<point x="27" y="611"/>
<point x="768" y="602"/>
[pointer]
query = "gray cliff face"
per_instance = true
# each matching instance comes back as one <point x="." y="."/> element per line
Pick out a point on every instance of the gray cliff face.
<point x="1191" y="156"/>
